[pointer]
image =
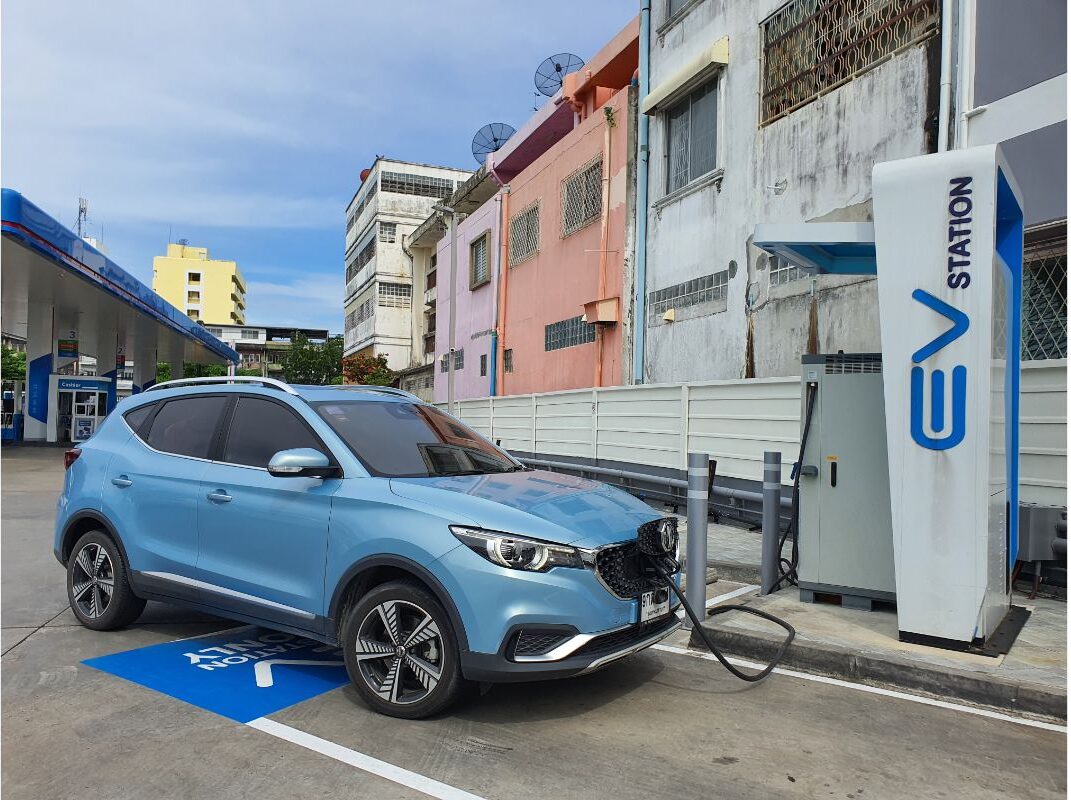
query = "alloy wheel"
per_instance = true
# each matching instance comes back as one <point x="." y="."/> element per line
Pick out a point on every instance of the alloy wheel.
<point x="399" y="651"/>
<point x="93" y="580"/>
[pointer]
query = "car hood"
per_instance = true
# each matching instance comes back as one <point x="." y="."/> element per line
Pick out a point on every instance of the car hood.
<point x="544" y="505"/>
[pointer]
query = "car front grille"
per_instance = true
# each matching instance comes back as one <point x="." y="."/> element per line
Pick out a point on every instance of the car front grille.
<point x="623" y="639"/>
<point x="624" y="571"/>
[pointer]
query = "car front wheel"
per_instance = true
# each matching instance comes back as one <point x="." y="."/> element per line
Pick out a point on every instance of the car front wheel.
<point x="401" y="652"/>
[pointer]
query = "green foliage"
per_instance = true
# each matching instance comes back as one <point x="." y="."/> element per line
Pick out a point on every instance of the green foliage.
<point x="250" y="372"/>
<point x="13" y="367"/>
<point x="367" y="370"/>
<point x="203" y="370"/>
<point x="313" y="363"/>
<point x="163" y="371"/>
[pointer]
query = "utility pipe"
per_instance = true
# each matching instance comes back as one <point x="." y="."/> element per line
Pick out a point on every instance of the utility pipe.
<point x="639" y="319"/>
<point x="503" y="257"/>
<point x="493" y="384"/>
<point x="453" y="299"/>
<point x="945" y="104"/>
<point x="604" y="239"/>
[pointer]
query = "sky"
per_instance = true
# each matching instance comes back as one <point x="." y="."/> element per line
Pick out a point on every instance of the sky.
<point x="243" y="126"/>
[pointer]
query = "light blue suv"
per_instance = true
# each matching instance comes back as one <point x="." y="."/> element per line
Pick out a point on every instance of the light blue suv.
<point x="364" y="518"/>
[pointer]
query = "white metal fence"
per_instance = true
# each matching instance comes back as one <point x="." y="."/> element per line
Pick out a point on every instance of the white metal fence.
<point x="734" y="421"/>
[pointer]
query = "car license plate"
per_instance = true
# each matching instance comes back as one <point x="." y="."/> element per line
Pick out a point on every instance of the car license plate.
<point x="654" y="604"/>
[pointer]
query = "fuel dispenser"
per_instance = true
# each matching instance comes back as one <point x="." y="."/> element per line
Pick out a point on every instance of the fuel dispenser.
<point x="913" y="492"/>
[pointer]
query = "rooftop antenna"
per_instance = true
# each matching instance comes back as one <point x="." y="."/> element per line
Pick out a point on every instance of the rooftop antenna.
<point x="490" y="138"/>
<point x="550" y="74"/>
<point x="83" y="213"/>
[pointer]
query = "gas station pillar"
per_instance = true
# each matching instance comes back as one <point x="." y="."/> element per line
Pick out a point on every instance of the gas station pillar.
<point x="40" y="344"/>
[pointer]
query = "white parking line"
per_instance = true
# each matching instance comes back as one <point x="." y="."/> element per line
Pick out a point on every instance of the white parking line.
<point x="862" y="687"/>
<point x="374" y="766"/>
<point x="730" y="595"/>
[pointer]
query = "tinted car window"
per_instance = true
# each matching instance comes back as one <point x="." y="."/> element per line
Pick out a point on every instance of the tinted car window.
<point x="185" y="427"/>
<point x="261" y="428"/>
<point x="136" y="418"/>
<point x="411" y="440"/>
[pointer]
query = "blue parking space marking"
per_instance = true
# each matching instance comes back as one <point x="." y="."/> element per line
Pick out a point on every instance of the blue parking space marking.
<point x="242" y="673"/>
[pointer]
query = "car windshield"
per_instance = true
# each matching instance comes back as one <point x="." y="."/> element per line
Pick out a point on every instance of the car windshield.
<point x="411" y="440"/>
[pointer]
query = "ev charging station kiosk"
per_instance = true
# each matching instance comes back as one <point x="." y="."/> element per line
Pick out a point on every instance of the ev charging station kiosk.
<point x="947" y="248"/>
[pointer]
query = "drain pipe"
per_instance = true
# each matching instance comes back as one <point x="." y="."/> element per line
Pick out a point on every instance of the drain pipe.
<point x="639" y="300"/>
<point x="945" y="103"/>
<point x="493" y="383"/>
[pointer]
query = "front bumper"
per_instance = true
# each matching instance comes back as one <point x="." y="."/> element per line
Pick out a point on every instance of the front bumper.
<point x="584" y="653"/>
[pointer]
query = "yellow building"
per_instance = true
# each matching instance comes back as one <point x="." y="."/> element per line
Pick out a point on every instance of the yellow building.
<point x="209" y="290"/>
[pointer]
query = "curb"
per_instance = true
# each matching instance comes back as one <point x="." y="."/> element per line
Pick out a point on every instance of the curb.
<point x="736" y="572"/>
<point x="943" y="683"/>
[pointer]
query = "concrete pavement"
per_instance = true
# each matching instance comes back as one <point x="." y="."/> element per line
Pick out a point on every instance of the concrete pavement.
<point x="659" y="724"/>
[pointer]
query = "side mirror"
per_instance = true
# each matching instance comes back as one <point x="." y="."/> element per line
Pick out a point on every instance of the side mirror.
<point x="302" y="462"/>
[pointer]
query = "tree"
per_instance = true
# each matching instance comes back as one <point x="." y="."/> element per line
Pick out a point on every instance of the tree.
<point x="13" y="367"/>
<point x="313" y="363"/>
<point x="163" y="371"/>
<point x="368" y="370"/>
<point x="250" y="371"/>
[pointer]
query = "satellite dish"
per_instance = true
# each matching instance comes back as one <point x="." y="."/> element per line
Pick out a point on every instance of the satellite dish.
<point x="551" y="73"/>
<point x="489" y="138"/>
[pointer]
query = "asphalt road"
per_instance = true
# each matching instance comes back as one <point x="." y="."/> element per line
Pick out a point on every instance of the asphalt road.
<point x="659" y="724"/>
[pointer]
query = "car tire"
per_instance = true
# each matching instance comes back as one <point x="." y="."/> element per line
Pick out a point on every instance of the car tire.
<point x="95" y="568"/>
<point x="401" y="651"/>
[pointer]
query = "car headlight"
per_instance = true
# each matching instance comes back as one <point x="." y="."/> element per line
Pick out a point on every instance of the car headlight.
<point x="517" y="552"/>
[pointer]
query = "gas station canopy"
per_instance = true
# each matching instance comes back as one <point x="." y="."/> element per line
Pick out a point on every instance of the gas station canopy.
<point x="826" y="248"/>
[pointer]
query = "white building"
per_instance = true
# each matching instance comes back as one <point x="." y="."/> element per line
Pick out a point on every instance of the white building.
<point x="393" y="199"/>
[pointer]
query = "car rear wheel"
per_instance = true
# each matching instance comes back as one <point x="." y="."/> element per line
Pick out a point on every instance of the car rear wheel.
<point x="401" y="652"/>
<point x="98" y="587"/>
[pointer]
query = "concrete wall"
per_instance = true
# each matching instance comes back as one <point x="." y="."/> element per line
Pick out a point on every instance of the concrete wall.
<point x="821" y="154"/>
<point x="553" y="285"/>
<point x="474" y="319"/>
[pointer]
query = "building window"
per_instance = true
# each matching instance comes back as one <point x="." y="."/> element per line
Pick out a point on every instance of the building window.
<point x="582" y="197"/>
<point x="673" y="6"/>
<point x="809" y="47"/>
<point x="443" y="363"/>
<point x="430" y="279"/>
<point x="420" y="185"/>
<point x="193" y="297"/>
<point x="366" y="254"/>
<point x="1044" y="315"/>
<point x="483" y="365"/>
<point x="507" y="360"/>
<point x="692" y="137"/>
<point x="395" y="295"/>
<point x="567" y="333"/>
<point x="479" y="265"/>
<point x="193" y="314"/>
<point x="364" y="311"/>
<point x="361" y="206"/>
<point x="249" y="333"/>
<point x="707" y="295"/>
<point x="782" y="272"/>
<point x="459" y="360"/>
<point x="524" y="234"/>
<point x="217" y="332"/>
<point x="388" y="232"/>
<point x="193" y="277"/>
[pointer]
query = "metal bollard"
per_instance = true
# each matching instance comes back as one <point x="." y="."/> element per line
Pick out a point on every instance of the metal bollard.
<point x="771" y="519"/>
<point x="696" y="566"/>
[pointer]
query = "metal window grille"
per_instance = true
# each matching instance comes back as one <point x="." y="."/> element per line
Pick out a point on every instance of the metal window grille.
<point x="782" y="272"/>
<point x="364" y="311"/>
<point x="249" y="333"/>
<point x="395" y="295"/>
<point x="479" y="266"/>
<point x="443" y="362"/>
<point x="459" y="359"/>
<point x="673" y="6"/>
<point x="524" y="234"/>
<point x="567" y="333"/>
<point x="388" y="232"/>
<point x="366" y="254"/>
<point x="483" y="365"/>
<point x="582" y="197"/>
<point x="507" y="360"/>
<point x="711" y="290"/>
<point x="361" y="206"/>
<point x="420" y="185"/>
<point x="1044" y="312"/>
<point x="812" y="46"/>
<point x="692" y="136"/>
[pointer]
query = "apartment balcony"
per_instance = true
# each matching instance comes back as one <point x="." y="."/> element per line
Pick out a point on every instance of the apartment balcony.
<point x="429" y="296"/>
<point x="360" y="278"/>
<point x="360" y="334"/>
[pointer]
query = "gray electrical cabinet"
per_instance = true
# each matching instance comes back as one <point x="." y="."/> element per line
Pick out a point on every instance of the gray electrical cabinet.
<point x="845" y="524"/>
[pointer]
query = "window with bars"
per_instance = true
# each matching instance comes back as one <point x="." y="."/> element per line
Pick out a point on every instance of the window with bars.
<point x="810" y="46"/>
<point x="395" y="295"/>
<point x="249" y="333"/>
<point x="420" y="185"/>
<point x="388" y="232"/>
<point x="361" y="206"/>
<point x="479" y="263"/>
<point x="567" y="333"/>
<point x="459" y="361"/>
<point x="692" y="137"/>
<point x="483" y="365"/>
<point x="366" y="254"/>
<point x="582" y="197"/>
<point x="364" y="311"/>
<point x="507" y="360"/>
<point x="1044" y="311"/>
<point x="524" y="234"/>
<point x="782" y="272"/>
<point x="706" y="295"/>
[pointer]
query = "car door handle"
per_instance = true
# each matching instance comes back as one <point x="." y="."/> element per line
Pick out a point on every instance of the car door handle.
<point x="219" y="496"/>
<point x="122" y="481"/>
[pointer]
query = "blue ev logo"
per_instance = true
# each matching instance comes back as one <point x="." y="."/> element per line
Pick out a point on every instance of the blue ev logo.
<point x="960" y="323"/>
